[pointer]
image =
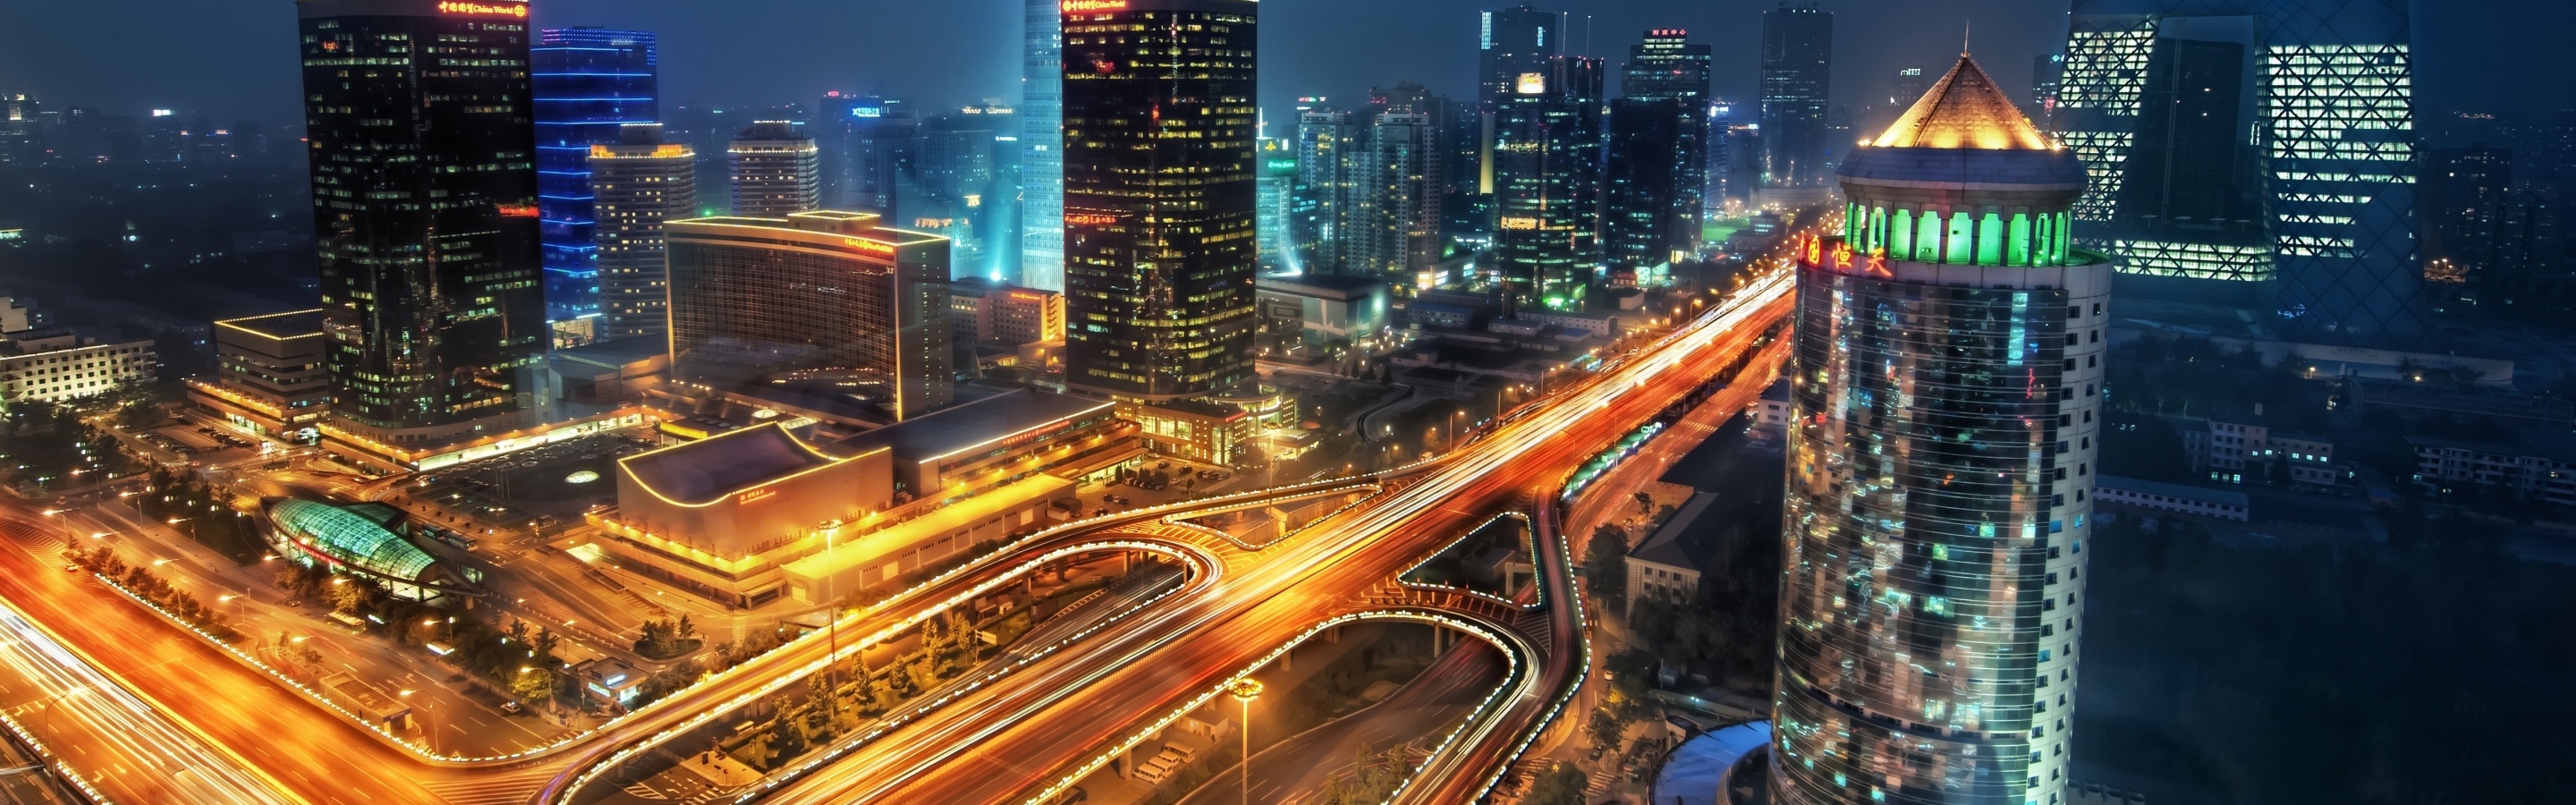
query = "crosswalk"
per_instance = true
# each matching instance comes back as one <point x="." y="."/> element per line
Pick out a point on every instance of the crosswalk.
<point x="491" y="788"/>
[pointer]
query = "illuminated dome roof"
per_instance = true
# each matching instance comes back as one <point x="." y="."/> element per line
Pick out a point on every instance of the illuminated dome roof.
<point x="1964" y="110"/>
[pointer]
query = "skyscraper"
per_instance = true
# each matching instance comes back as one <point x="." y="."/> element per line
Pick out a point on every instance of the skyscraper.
<point x="777" y="170"/>
<point x="825" y="305"/>
<point x="1547" y="184"/>
<point x="1160" y="123"/>
<point x="2326" y="100"/>
<point x="588" y="82"/>
<point x="879" y="139"/>
<point x="426" y="223"/>
<point x="1721" y="157"/>
<point x="1946" y="395"/>
<point x="1397" y="230"/>
<point x="1331" y="166"/>
<point x="1658" y="154"/>
<point x="21" y="137"/>
<point x="2046" y="71"/>
<point x="1042" y="148"/>
<point x="1513" y="42"/>
<point x="1272" y="208"/>
<point x="1797" y="74"/>
<point x="639" y="182"/>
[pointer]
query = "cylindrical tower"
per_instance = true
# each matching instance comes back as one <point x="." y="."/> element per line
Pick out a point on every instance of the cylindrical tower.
<point x="1946" y="395"/>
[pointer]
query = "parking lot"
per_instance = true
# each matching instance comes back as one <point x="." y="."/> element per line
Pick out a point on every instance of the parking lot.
<point x="545" y="488"/>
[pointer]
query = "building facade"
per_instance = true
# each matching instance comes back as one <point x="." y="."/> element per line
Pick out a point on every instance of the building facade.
<point x="638" y="183"/>
<point x="2325" y="88"/>
<point x="1331" y="165"/>
<point x="428" y="228"/>
<point x="1159" y="241"/>
<point x="269" y="373"/>
<point x="777" y="170"/>
<point x="1399" y="195"/>
<point x="1945" y="401"/>
<point x="1657" y="177"/>
<point x="1547" y="184"/>
<point x="588" y="83"/>
<point x="823" y="304"/>
<point x="1042" y="147"/>
<point x="1797" y="76"/>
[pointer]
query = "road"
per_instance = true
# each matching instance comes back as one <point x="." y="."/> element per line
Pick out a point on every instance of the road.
<point x="1014" y="738"/>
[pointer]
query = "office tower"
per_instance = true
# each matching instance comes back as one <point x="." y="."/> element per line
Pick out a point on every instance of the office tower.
<point x="825" y="306"/>
<point x="1158" y="218"/>
<point x="2045" y="72"/>
<point x="1271" y="209"/>
<point x="1721" y="158"/>
<point x="1514" y="41"/>
<point x="588" y="82"/>
<point x="777" y="170"/>
<point x="2491" y="238"/>
<point x="426" y="227"/>
<point x="877" y="147"/>
<point x="1547" y="184"/>
<point x="1657" y="177"/>
<point x="1907" y="85"/>
<point x="1947" y="390"/>
<point x="953" y="170"/>
<point x="639" y="182"/>
<point x="1397" y="230"/>
<point x="1797" y="73"/>
<point x="2325" y="89"/>
<point x="1042" y="148"/>
<point x="1330" y="162"/>
<point x="21" y="140"/>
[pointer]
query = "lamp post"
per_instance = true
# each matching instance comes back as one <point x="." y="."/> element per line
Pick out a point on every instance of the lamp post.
<point x="1245" y="690"/>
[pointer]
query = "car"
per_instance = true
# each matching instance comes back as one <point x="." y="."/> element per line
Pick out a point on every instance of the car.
<point x="512" y="708"/>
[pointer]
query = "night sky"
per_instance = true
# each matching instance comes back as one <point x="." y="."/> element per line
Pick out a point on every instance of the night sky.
<point x="233" y="59"/>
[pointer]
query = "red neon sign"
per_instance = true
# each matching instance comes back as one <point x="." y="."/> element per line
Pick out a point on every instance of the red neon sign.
<point x="518" y="211"/>
<point x="869" y="246"/>
<point x="1080" y="6"/>
<point x="517" y="10"/>
<point x="1090" y="220"/>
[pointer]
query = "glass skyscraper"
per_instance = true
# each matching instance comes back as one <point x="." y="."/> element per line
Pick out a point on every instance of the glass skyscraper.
<point x="1658" y="155"/>
<point x="425" y="216"/>
<point x="1945" y="402"/>
<point x="2317" y="101"/>
<point x="1160" y="128"/>
<point x="1797" y="74"/>
<point x="587" y="82"/>
<point x="1042" y="148"/>
<point x="1547" y="184"/>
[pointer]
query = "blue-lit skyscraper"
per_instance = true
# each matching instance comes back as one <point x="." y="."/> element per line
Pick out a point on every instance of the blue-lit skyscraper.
<point x="1042" y="149"/>
<point x="587" y="82"/>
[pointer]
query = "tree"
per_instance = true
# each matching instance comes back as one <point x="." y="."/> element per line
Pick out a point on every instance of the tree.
<point x="1605" y="566"/>
<point x="1645" y="503"/>
<point x="787" y="736"/>
<point x="535" y="685"/>
<point x="1561" y="784"/>
<point x="350" y="596"/>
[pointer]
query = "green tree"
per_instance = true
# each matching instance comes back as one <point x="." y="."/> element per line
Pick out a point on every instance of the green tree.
<point x="787" y="736"/>
<point x="1561" y="784"/>
<point x="1605" y="566"/>
<point x="535" y="686"/>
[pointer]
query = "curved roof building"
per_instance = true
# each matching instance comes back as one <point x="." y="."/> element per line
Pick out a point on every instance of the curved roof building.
<point x="348" y="537"/>
<point x="1945" y="399"/>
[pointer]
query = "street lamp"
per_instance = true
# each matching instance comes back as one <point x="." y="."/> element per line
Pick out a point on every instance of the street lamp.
<point x="1245" y="690"/>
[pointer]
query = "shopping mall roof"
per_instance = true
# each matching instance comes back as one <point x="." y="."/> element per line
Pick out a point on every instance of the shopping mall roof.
<point x="706" y="471"/>
<point x="967" y="426"/>
<point x="350" y="538"/>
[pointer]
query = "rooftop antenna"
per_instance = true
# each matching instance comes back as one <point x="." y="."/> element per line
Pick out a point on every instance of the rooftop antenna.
<point x="1966" y="27"/>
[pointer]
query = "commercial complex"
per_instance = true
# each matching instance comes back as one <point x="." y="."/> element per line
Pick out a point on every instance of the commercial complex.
<point x="1547" y="183"/>
<point x="425" y="216"/>
<point x="1159" y="247"/>
<point x="824" y="305"/>
<point x="2311" y="216"/>
<point x="639" y="183"/>
<point x="588" y="83"/>
<point x="719" y="515"/>
<point x="988" y="312"/>
<point x="1797" y="75"/>
<point x="1946" y="396"/>
<point x="777" y="170"/>
<point x="269" y="375"/>
<point x="1658" y="154"/>
<point x="1042" y="147"/>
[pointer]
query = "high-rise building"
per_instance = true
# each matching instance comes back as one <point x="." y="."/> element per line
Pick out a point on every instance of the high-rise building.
<point x="1657" y="178"/>
<point x="825" y="305"/>
<point x="1547" y="184"/>
<point x="777" y="171"/>
<point x="1273" y="206"/>
<point x="1397" y="229"/>
<point x="425" y="184"/>
<point x="1438" y="188"/>
<point x="1160" y="129"/>
<point x="1947" y="396"/>
<point x="640" y="182"/>
<point x="2046" y="70"/>
<point x="954" y="170"/>
<point x="2326" y="114"/>
<point x="879" y="140"/>
<point x="1797" y="75"/>
<point x="588" y="82"/>
<point x="1513" y="42"/>
<point x="1722" y="154"/>
<point x="1331" y="163"/>
<point x="21" y="133"/>
<point x="1042" y="147"/>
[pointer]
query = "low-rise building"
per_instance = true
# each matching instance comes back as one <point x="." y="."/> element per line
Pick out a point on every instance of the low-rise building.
<point x="2541" y="465"/>
<point x="2412" y="399"/>
<point x="1326" y="307"/>
<point x="45" y="363"/>
<point x="270" y="376"/>
<point x="609" y="681"/>
<point x="719" y="516"/>
<point x="2246" y="447"/>
<point x="1667" y="566"/>
<point x="1770" y="414"/>
<point x="1205" y="432"/>
<point x="975" y="448"/>
<point x="938" y="534"/>
<point x="610" y="372"/>
<point x="2176" y="498"/>
<point x="987" y="312"/>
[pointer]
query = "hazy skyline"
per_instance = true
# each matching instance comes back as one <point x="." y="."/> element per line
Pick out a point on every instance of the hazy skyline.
<point x="229" y="60"/>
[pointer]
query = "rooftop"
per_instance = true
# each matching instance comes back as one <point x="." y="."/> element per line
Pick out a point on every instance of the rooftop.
<point x="871" y="548"/>
<point x="618" y="352"/>
<point x="1676" y="543"/>
<point x="1331" y="284"/>
<point x="353" y="539"/>
<point x="966" y="426"/>
<point x="706" y="471"/>
<point x="1964" y="110"/>
<point x="279" y="325"/>
<point x="2180" y="491"/>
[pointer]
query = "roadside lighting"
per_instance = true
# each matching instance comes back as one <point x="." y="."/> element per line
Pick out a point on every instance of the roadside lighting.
<point x="1245" y="690"/>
